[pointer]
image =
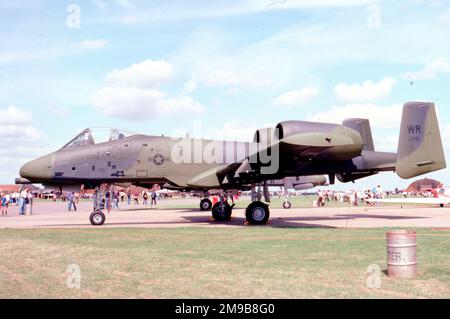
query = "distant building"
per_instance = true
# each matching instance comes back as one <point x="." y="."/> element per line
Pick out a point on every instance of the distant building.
<point x="424" y="185"/>
<point x="9" y="188"/>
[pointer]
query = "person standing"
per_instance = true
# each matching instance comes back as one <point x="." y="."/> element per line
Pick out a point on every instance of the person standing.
<point x="129" y="197"/>
<point x="4" y="203"/>
<point x="116" y="200"/>
<point x="136" y="198"/>
<point x="145" y="197"/>
<point x="71" y="200"/>
<point x="108" y="200"/>
<point x="22" y="201"/>
<point x="153" y="198"/>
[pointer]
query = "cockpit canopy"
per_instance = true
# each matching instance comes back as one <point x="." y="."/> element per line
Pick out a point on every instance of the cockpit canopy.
<point x="93" y="136"/>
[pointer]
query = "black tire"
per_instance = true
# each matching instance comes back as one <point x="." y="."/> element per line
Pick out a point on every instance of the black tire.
<point x="257" y="213"/>
<point x="442" y="205"/>
<point x="222" y="212"/>
<point x="205" y="204"/>
<point x="97" y="218"/>
<point x="287" y="205"/>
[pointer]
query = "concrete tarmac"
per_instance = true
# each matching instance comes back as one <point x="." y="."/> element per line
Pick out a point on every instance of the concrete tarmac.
<point x="49" y="214"/>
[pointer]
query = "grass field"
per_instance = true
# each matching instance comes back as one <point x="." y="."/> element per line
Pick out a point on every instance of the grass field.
<point x="256" y="262"/>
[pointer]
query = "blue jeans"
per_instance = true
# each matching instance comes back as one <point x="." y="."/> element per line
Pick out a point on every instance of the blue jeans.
<point x="70" y="205"/>
<point x="22" y="206"/>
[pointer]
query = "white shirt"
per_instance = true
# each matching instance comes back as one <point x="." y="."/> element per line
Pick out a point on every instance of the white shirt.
<point x="24" y="194"/>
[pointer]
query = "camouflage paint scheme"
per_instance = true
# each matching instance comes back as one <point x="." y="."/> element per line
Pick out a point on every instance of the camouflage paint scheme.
<point x="304" y="149"/>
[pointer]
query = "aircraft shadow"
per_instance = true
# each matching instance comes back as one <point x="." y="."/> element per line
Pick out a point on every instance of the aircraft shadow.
<point x="277" y="222"/>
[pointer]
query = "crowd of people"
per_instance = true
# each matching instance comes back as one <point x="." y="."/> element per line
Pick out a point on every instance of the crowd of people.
<point x="106" y="199"/>
<point x="24" y="200"/>
<point x="110" y="199"/>
<point x="354" y="197"/>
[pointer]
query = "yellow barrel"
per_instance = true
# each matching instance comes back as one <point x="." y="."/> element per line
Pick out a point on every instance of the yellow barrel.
<point x="401" y="254"/>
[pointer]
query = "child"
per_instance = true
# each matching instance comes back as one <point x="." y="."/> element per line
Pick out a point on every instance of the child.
<point x="4" y="203"/>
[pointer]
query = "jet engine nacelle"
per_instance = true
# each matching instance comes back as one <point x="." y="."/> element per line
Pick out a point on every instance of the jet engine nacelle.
<point x="333" y="141"/>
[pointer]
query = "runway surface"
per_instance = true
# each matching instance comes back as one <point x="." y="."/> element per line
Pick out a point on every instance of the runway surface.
<point x="55" y="214"/>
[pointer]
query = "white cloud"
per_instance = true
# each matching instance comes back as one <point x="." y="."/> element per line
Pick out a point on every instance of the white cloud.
<point x="376" y="113"/>
<point x="145" y="74"/>
<point x="430" y="71"/>
<point x="20" y="141"/>
<point x="296" y="97"/>
<point x="368" y="91"/>
<point x="13" y="115"/>
<point x="132" y="93"/>
<point x="90" y="44"/>
<point x="127" y="102"/>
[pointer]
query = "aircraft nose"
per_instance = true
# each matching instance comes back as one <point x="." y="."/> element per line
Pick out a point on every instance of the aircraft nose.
<point x="38" y="169"/>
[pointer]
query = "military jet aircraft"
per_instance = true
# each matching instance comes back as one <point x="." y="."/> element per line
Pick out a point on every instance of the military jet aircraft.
<point x="292" y="148"/>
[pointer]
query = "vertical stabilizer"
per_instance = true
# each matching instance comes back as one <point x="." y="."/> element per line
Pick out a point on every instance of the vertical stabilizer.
<point x="420" y="149"/>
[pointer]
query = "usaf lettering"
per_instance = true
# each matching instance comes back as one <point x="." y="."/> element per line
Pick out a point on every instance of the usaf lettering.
<point x="415" y="129"/>
<point x="186" y="309"/>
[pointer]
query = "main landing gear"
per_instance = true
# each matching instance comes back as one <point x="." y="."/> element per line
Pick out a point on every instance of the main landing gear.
<point x="257" y="213"/>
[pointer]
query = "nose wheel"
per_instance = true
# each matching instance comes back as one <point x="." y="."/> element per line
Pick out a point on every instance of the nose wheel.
<point x="97" y="218"/>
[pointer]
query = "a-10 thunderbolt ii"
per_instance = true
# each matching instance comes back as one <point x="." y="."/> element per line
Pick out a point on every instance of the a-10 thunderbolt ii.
<point x="291" y="149"/>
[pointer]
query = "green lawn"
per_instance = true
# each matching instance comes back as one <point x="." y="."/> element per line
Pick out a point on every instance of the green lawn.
<point x="258" y="262"/>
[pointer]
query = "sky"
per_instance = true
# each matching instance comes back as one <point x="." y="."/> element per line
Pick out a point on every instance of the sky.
<point x="216" y="69"/>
